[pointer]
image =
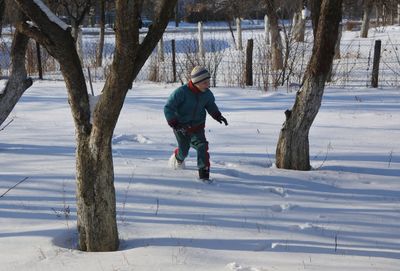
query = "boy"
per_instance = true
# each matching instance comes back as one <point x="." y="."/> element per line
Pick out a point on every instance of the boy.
<point x="185" y="112"/>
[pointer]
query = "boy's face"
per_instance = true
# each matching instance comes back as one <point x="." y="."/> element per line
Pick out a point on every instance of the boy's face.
<point x="203" y="85"/>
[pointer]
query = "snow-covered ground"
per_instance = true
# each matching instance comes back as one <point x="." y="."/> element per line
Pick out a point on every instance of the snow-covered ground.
<point x="342" y="215"/>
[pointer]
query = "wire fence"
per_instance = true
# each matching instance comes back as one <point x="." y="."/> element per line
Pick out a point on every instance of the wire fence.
<point x="227" y="65"/>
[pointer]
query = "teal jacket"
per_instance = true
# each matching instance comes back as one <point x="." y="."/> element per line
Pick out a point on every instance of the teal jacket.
<point x="187" y="107"/>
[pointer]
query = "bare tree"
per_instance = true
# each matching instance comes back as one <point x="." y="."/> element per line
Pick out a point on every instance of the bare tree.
<point x="76" y="10"/>
<point x="367" y="10"/>
<point x="99" y="58"/>
<point x="96" y="206"/>
<point x="276" y="40"/>
<point x="2" y="9"/>
<point x="292" y="150"/>
<point x="18" y="81"/>
<point x="299" y="23"/>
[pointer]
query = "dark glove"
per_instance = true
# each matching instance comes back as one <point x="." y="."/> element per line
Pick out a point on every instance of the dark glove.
<point x="174" y="124"/>
<point x="221" y="120"/>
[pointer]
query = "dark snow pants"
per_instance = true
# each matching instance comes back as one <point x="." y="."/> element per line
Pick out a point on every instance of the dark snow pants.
<point x="196" y="140"/>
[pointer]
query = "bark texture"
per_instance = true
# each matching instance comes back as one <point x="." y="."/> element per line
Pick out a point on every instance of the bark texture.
<point x="367" y="10"/>
<point x="99" y="57"/>
<point x="2" y="9"/>
<point x="96" y="205"/>
<point x="276" y="40"/>
<point x="293" y="145"/>
<point x="299" y="27"/>
<point x="18" y="81"/>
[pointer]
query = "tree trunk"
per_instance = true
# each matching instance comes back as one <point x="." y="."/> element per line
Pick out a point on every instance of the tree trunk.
<point x="398" y="14"/>
<point x="96" y="213"/>
<point x="99" y="59"/>
<point x="315" y="6"/>
<point x="299" y="27"/>
<point x="292" y="151"/>
<point x="276" y="40"/>
<point x="338" y="41"/>
<point x="366" y="18"/>
<point x="2" y="9"/>
<point x="266" y="29"/>
<point x="18" y="81"/>
<point x="177" y="15"/>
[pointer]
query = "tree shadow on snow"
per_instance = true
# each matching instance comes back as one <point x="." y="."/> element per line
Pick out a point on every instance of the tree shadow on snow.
<point x="257" y="245"/>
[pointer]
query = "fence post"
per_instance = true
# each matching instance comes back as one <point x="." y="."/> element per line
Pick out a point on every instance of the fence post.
<point x="249" y="63"/>
<point x="266" y="29"/>
<point x="201" y="41"/>
<point x="375" y="67"/>
<point x="160" y="49"/>
<point x="173" y="60"/>
<point x="398" y="14"/>
<point x="39" y="61"/>
<point x="239" y="34"/>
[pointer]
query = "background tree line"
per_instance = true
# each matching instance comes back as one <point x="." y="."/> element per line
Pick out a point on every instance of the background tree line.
<point x="90" y="12"/>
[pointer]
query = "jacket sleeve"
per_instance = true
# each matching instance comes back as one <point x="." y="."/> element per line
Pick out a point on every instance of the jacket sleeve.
<point x="171" y="107"/>
<point x="212" y="107"/>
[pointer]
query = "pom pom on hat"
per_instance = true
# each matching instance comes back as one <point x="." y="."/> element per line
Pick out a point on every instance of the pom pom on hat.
<point x="199" y="74"/>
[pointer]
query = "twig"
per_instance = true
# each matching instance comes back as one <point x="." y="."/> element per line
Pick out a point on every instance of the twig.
<point x="336" y="243"/>
<point x="90" y="80"/>
<point x="122" y="215"/>
<point x="329" y="147"/>
<point x="390" y="158"/>
<point x="23" y="180"/>
<point x="4" y="127"/>
<point x="158" y="206"/>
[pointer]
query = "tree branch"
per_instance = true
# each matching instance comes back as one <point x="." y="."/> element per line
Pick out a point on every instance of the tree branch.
<point x="33" y="32"/>
<point x="156" y="30"/>
<point x="8" y="190"/>
<point x="18" y="81"/>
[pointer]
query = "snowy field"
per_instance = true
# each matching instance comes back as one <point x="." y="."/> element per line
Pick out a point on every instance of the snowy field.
<point x="342" y="215"/>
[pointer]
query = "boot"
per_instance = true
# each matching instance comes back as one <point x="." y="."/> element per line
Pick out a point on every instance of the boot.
<point x="204" y="174"/>
<point x="175" y="163"/>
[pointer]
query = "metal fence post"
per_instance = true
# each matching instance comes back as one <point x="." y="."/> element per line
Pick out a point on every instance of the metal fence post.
<point x="249" y="63"/>
<point x="173" y="61"/>
<point x="375" y="67"/>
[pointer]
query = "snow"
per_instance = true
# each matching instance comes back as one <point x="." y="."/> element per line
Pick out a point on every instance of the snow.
<point x="52" y="17"/>
<point x="3" y="84"/>
<point x="342" y="215"/>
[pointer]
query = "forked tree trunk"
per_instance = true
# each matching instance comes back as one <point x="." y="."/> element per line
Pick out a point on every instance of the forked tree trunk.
<point x="97" y="225"/>
<point x="292" y="151"/>
<point x="276" y="40"/>
<point x="96" y="194"/>
<point x="18" y="81"/>
<point x="366" y="18"/>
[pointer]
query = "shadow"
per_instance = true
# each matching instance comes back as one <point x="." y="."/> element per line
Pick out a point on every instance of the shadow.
<point x="29" y="149"/>
<point x="364" y="170"/>
<point x="254" y="245"/>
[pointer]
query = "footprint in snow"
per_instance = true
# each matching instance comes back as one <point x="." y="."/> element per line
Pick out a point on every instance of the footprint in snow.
<point x="282" y="208"/>
<point x="124" y="139"/>
<point x="280" y="191"/>
<point x="307" y="226"/>
<point x="237" y="267"/>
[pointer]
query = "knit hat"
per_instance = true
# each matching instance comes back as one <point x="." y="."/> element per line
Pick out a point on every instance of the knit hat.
<point x="199" y="74"/>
